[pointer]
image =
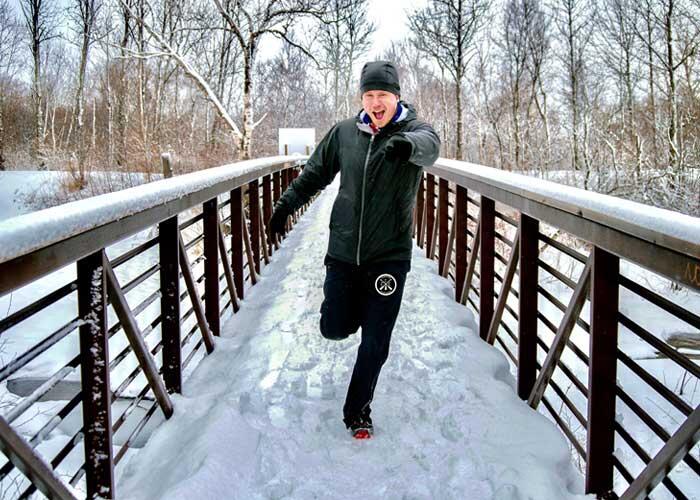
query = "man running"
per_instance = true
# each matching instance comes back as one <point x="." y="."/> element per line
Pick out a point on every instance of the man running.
<point x="380" y="155"/>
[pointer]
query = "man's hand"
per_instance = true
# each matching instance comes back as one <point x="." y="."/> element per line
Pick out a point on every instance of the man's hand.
<point x="278" y="221"/>
<point x="398" y="148"/>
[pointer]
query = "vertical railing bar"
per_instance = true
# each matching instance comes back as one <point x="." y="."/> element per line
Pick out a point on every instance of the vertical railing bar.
<point x="600" y="435"/>
<point x="420" y="210"/>
<point x="460" y="216"/>
<point x="486" y="273"/>
<point x="237" y="224"/>
<point x="528" y="305"/>
<point x="442" y="222"/>
<point x="210" y="230"/>
<point x="254" y="214"/>
<point x="563" y="332"/>
<point x="430" y="211"/>
<point x="266" y="213"/>
<point x="169" y="254"/>
<point x="195" y="298"/>
<point x="94" y="368"/>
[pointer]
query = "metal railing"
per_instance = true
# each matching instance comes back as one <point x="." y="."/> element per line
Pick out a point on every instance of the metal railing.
<point x="186" y="249"/>
<point x="529" y="256"/>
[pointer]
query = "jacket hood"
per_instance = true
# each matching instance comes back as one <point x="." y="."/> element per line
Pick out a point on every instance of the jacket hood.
<point x="404" y="112"/>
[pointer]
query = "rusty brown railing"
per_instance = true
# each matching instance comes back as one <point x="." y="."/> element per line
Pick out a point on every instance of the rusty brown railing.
<point x="529" y="256"/>
<point x="200" y="243"/>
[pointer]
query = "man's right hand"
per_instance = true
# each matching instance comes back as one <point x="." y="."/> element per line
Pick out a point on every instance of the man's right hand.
<point x="278" y="221"/>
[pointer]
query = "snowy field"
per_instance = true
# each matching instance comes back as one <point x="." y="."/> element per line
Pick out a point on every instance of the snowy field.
<point x="261" y="417"/>
<point x="17" y="185"/>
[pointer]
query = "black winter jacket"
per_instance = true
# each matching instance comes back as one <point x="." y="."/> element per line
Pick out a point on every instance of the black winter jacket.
<point x="371" y="220"/>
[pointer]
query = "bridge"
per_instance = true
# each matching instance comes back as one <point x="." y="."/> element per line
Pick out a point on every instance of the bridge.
<point x="158" y="345"/>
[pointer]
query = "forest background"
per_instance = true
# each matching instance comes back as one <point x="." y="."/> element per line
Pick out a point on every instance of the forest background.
<point x="601" y="94"/>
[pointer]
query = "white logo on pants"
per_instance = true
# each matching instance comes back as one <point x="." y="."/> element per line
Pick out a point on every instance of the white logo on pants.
<point x="385" y="284"/>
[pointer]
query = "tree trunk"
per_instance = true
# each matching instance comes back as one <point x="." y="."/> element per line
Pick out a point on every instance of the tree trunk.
<point x="652" y="97"/>
<point x="673" y="104"/>
<point x="2" y="134"/>
<point x="245" y="144"/>
<point x="573" y="83"/>
<point x="36" y="102"/>
<point x="81" y="146"/>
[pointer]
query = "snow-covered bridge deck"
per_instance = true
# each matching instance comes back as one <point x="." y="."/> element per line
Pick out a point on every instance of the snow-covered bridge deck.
<point x="261" y="417"/>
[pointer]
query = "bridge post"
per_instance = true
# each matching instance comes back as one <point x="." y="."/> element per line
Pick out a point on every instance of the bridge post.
<point x="460" y="214"/>
<point x="267" y="206"/>
<point x="237" y="239"/>
<point x="169" y="250"/>
<point x="430" y="207"/>
<point x="443" y="215"/>
<point x="602" y="372"/>
<point x="254" y="210"/>
<point x="420" y="208"/>
<point x="285" y="184"/>
<point x="527" y="305"/>
<point x="211" y="265"/>
<point x="94" y="370"/>
<point x="487" y="219"/>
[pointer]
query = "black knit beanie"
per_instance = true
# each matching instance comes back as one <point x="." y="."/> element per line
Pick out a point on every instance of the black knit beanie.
<point x="380" y="75"/>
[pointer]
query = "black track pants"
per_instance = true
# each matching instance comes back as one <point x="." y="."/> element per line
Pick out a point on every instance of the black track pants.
<point x="367" y="296"/>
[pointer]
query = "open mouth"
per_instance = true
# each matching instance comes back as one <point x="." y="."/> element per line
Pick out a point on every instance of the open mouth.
<point x="379" y="115"/>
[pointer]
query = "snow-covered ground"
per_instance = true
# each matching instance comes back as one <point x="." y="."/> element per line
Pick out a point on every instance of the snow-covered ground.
<point x="261" y="417"/>
<point x="17" y="186"/>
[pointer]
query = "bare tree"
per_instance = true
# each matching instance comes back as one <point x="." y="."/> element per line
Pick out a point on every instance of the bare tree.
<point x="445" y="30"/>
<point x="575" y="26"/>
<point x="617" y="46"/>
<point x="9" y="38"/>
<point x="249" y="22"/>
<point x="85" y="16"/>
<point x="675" y="22"/>
<point x="40" y="22"/>
<point x="345" y="36"/>
<point x="521" y="43"/>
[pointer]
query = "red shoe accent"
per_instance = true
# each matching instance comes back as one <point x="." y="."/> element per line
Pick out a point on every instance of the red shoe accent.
<point x="362" y="434"/>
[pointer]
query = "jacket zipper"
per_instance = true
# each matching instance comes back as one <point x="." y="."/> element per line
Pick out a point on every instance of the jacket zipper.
<point x="362" y="206"/>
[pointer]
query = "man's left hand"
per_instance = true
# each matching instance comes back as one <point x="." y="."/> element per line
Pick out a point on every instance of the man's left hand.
<point x="398" y="148"/>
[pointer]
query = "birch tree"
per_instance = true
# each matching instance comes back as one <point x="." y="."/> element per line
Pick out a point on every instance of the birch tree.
<point x="85" y="16"/>
<point x="40" y="23"/>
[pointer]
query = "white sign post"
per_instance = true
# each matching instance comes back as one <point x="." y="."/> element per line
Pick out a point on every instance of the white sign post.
<point x="297" y="140"/>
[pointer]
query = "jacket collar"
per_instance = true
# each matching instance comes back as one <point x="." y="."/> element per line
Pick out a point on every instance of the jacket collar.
<point x="404" y="111"/>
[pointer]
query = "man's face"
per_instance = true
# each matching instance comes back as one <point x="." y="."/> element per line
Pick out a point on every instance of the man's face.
<point x="380" y="105"/>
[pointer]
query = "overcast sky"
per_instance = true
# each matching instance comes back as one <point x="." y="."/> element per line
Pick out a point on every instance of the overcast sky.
<point x="390" y="18"/>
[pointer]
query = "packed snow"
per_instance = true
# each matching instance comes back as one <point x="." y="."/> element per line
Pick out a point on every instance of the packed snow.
<point x="28" y="232"/>
<point x="261" y="417"/>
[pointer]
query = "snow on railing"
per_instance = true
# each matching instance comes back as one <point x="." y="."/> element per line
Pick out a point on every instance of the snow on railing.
<point x="26" y="233"/>
<point x="673" y="230"/>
